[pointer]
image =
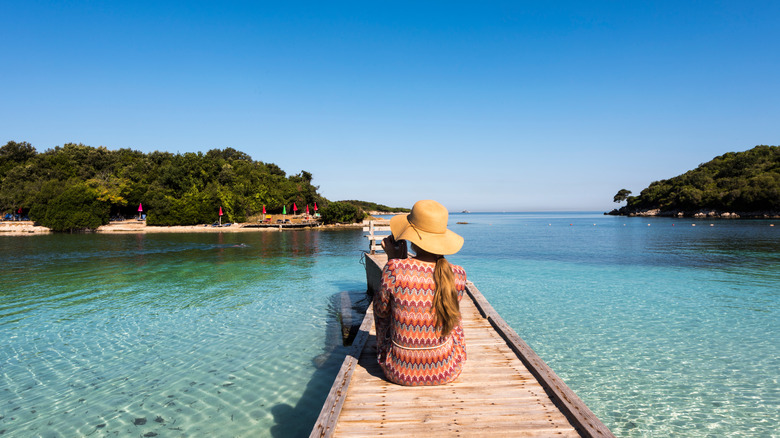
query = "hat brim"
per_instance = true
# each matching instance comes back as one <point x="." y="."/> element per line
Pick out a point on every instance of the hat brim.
<point x="435" y="243"/>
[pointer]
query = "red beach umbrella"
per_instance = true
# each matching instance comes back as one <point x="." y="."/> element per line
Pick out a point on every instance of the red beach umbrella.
<point x="295" y="208"/>
<point x="263" y="209"/>
<point x="20" y="210"/>
<point x="140" y="207"/>
<point x="220" y="210"/>
<point x="307" y="209"/>
<point x="315" y="206"/>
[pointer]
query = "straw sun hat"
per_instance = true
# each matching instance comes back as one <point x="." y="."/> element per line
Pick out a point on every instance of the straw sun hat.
<point x="426" y="227"/>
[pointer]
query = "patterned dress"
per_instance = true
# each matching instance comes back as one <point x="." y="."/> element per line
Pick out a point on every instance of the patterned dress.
<point x="411" y="350"/>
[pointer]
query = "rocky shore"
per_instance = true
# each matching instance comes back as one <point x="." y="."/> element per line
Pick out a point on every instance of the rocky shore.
<point x="696" y="214"/>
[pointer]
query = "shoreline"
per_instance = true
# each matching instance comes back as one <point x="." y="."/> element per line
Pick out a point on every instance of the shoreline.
<point x="695" y="214"/>
<point x="21" y="228"/>
<point x="28" y="228"/>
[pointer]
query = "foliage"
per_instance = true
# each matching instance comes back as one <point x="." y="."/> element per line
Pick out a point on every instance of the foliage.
<point x="77" y="207"/>
<point x="372" y="206"/>
<point x="740" y="182"/>
<point x="341" y="212"/>
<point x="621" y="195"/>
<point x="175" y="189"/>
<point x="14" y="154"/>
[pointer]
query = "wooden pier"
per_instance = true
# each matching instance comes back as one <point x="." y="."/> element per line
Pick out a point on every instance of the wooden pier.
<point x="505" y="389"/>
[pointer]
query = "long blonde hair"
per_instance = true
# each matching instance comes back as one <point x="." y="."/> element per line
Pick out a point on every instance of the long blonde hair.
<point x="445" y="300"/>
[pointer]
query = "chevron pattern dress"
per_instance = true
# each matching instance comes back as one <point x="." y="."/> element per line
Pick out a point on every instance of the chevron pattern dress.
<point x="411" y="350"/>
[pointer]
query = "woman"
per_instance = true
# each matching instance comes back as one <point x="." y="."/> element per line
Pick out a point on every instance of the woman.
<point x="417" y="312"/>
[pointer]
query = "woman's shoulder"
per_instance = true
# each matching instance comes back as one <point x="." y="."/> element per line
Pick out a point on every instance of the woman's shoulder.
<point x="412" y="263"/>
<point x="460" y="273"/>
<point x="458" y="269"/>
<point x="394" y="263"/>
<point x="398" y="264"/>
<point x="409" y="265"/>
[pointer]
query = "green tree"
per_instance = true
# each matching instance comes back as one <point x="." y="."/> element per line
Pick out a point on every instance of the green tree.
<point x="372" y="206"/>
<point x="14" y="154"/>
<point x="76" y="208"/>
<point x="341" y="213"/>
<point x="621" y="195"/>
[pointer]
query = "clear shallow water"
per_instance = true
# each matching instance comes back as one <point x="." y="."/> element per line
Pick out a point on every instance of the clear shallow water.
<point x="663" y="330"/>
<point x="174" y="334"/>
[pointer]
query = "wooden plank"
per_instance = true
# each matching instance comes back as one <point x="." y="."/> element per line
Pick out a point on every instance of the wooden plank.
<point x="486" y="429"/>
<point x="491" y="432"/>
<point x="377" y="228"/>
<point x="457" y="389"/>
<point x="505" y="406"/>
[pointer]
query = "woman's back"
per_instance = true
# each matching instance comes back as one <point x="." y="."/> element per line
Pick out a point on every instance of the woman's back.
<point x="410" y="345"/>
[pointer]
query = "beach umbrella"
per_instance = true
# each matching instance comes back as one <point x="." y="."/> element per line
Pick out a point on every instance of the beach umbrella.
<point x="295" y="208"/>
<point x="140" y="207"/>
<point x="307" y="209"/>
<point x="284" y="209"/>
<point x="315" y="206"/>
<point x="263" y="209"/>
<point x="220" y="210"/>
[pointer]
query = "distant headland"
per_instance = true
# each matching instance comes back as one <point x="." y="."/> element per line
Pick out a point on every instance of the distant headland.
<point x="734" y="185"/>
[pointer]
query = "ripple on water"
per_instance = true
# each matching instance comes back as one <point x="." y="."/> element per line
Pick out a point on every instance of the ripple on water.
<point x="662" y="331"/>
<point x="166" y="337"/>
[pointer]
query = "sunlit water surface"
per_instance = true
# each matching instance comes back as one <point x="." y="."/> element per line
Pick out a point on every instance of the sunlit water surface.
<point x="661" y="327"/>
<point x="174" y="334"/>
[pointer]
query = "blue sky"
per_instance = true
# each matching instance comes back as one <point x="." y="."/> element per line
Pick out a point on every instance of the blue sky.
<point x="486" y="106"/>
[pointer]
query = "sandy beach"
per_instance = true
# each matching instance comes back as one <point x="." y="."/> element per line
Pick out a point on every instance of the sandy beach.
<point x="18" y="228"/>
<point x="23" y="228"/>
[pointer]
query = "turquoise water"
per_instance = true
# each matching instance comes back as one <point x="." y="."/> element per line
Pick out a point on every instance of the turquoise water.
<point x="174" y="334"/>
<point x="663" y="330"/>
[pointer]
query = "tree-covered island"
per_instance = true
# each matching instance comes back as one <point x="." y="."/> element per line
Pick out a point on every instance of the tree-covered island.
<point x="78" y="187"/>
<point x="735" y="184"/>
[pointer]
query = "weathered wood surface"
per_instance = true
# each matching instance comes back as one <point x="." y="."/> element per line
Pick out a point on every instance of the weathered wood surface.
<point x="504" y="390"/>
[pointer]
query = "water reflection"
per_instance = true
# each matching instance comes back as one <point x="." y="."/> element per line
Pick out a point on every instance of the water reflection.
<point x="160" y="270"/>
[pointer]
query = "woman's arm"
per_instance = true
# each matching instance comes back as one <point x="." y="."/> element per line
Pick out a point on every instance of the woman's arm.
<point x="382" y="310"/>
<point x="393" y="248"/>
